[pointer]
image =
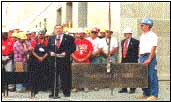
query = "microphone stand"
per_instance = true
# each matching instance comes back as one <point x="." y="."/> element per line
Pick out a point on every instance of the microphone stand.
<point x="54" y="96"/>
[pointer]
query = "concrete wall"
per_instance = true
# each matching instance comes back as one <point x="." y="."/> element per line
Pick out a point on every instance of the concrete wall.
<point x="97" y="15"/>
<point x="75" y="15"/>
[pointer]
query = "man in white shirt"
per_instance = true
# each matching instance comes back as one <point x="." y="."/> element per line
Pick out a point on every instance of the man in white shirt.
<point x="113" y="47"/>
<point x="148" y="45"/>
<point x="97" y="46"/>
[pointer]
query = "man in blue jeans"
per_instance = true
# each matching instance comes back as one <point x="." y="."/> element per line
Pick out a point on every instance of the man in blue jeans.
<point x="147" y="51"/>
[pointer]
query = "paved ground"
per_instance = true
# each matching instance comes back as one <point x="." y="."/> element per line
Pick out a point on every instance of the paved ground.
<point x="101" y="95"/>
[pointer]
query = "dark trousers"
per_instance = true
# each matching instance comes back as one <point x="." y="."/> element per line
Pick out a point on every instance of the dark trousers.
<point x="63" y="71"/>
<point x="126" y="60"/>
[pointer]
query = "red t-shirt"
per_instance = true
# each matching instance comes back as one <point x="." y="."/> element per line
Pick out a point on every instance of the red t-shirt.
<point x="34" y="42"/>
<point x="83" y="47"/>
<point x="7" y="46"/>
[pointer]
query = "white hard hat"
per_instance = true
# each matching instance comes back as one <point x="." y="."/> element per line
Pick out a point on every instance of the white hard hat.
<point x="71" y="30"/>
<point x="128" y="30"/>
<point x="80" y="30"/>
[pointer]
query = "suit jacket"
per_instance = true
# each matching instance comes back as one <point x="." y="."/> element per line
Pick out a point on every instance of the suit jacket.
<point x="132" y="51"/>
<point x="67" y="45"/>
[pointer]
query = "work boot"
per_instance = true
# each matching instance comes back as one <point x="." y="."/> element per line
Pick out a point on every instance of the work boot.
<point x="123" y="90"/>
<point x="152" y="98"/>
<point x="74" y="90"/>
<point x="86" y="89"/>
<point x="141" y="97"/>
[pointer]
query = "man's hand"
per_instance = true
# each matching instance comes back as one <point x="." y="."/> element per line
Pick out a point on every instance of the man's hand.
<point x="81" y="60"/>
<point x="24" y="45"/>
<point x="147" y="62"/>
<point x="63" y="54"/>
<point x="52" y="54"/>
<point x="30" y="48"/>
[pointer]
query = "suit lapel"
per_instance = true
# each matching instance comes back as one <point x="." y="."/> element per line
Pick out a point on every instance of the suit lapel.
<point x="130" y="44"/>
<point x="63" y="40"/>
<point x="53" y="40"/>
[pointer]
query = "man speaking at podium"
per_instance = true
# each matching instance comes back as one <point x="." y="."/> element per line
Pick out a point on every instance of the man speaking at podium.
<point x="61" y="46"/>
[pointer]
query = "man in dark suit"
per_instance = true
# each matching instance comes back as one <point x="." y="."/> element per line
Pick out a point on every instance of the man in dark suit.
<point x="129" y="52"/>
<point x="61" y="46"/>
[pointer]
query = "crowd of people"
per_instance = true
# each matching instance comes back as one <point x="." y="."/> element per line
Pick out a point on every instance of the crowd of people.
<point x="43" y="53"/>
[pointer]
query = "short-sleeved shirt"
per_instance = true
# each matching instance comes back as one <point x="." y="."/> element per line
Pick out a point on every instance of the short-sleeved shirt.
<point x="147" y="41"/>
<point x="96" y="43"/>
<point x="83" y="47"/>
<point x="34" y="42"/>
<point x="7" y="47"/>
<point x="113" y="44"/>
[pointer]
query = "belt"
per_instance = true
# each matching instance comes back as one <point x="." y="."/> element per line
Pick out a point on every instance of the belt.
<point x="144" y="54"/>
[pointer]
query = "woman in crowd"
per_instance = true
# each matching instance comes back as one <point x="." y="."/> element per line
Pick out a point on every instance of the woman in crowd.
<point x="40" y="67"/>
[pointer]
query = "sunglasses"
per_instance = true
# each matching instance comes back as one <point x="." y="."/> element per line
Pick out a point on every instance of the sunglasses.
<point x="94" y="32"/>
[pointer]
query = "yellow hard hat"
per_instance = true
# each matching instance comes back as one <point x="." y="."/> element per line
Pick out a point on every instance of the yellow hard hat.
<point x="87" y="30"/>
<point x="22" y="35"/>
<point x="15" y="34"/>
<point x="103" y="30"/>
<point x="65" y="29"/>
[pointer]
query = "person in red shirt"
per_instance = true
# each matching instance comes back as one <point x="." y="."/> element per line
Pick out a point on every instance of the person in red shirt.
<point x="39" y="65"/>
<point x="10" y="33"/>
<point x="7" y="56"/>
<point x="47" y="36"/>
<point x="41" y="38"/>
<point x="84" y="49"/>
<point x="7" y="45"/>
<point x="33" y="35"/>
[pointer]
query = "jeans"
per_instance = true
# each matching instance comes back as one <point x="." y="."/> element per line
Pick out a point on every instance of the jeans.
<point x="96" y="60"/>
<point x="19" y="87"/>
<point x="152" y="89"/>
